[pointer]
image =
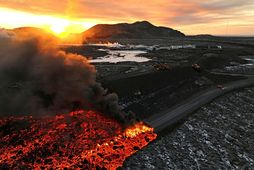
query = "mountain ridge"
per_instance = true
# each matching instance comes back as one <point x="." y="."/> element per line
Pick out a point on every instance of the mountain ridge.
<point x="136" y="30"/>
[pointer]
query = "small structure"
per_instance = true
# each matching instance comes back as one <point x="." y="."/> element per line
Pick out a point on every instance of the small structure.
<point x="161" y="67"/>
<point x="220" y="87"/>
<point x="196" y="67"/>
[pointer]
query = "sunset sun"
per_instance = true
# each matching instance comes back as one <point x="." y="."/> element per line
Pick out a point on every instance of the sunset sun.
<point x="58" y="28"/>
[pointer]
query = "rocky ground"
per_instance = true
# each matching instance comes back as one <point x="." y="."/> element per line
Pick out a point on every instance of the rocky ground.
<point x="217" y="136"/>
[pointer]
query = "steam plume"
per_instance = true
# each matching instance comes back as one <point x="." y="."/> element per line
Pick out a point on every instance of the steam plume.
<point x="37" y="78"/>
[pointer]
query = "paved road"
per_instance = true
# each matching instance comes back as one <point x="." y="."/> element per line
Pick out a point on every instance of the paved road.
<point x="166" y="118"/>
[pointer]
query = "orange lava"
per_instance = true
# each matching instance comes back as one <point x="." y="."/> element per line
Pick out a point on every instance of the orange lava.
<point x="79" y="140"/>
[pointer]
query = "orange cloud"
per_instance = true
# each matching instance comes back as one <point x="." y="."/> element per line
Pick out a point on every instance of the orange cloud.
<point x="190" y="16"/>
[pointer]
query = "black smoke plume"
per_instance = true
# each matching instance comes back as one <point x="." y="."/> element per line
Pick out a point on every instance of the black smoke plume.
<point x="37" y="78"/>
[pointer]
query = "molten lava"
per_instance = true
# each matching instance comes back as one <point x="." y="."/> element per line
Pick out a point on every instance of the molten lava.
<point x="79" y="140"/>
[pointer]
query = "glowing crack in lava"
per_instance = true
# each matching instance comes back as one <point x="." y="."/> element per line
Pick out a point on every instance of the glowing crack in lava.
<point x="79" y="140"/>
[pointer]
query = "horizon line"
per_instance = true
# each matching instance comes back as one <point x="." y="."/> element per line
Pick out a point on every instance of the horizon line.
<point x="204" y="34"/>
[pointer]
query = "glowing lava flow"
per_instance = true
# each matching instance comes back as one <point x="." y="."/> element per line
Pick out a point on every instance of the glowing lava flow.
<point x="79" y="140"/>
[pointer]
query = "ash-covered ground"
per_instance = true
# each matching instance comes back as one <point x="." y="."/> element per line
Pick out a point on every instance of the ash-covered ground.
<point x="168" y="77"/>
<point x="217" y="136"/>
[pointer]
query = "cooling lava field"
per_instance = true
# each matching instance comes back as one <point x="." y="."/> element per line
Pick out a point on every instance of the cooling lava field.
<point x="79" y="140"/>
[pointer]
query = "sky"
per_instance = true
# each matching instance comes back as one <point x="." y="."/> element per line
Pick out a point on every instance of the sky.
<point x="217" y="17"/>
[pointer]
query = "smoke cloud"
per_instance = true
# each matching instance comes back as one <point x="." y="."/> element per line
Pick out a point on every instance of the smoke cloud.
<point x="36" y="78"/>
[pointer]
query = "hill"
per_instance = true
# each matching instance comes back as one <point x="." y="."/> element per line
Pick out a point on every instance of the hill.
<point x="137" y="30"/>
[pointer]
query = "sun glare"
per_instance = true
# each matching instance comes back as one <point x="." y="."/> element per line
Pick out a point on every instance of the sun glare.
<point x="58" y="28"/>
<point x="58" y="25"/>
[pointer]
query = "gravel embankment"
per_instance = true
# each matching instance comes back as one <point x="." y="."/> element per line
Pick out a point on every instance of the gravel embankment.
<point x="220" y="135"/>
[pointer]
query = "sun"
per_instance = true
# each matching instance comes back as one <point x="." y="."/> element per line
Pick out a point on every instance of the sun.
<point x="58" y="28"/>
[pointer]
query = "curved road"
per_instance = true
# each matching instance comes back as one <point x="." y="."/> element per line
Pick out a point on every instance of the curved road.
<point x="168" y="117"/>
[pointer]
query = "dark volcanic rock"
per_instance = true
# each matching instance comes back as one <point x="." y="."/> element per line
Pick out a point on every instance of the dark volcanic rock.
<point x="137" y="30"/>
<point x="218" y="136"/>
